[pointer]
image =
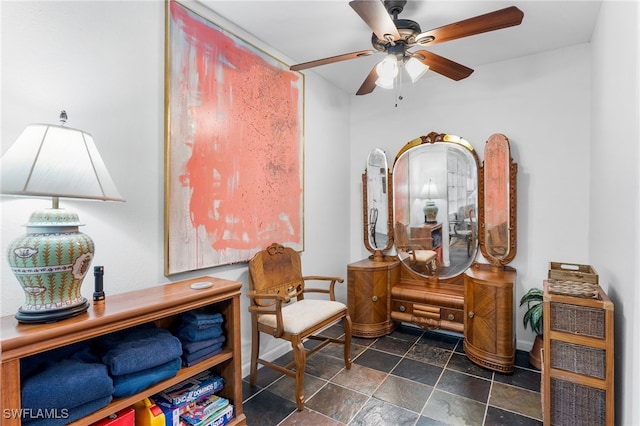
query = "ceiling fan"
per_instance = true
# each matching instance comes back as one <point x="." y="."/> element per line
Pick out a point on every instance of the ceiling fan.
<point x="396" y="36"/>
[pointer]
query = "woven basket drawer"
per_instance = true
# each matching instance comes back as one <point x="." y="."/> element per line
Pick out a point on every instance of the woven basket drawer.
<point x="577" y="319"/>
<point x="578" y="359"/>
<point x="576" y="404"/>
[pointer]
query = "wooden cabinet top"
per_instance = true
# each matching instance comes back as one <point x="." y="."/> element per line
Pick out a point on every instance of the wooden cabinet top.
<point x="118" y="311"/>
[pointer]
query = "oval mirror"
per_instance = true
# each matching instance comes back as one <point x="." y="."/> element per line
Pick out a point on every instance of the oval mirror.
<point x="377" y="226"/>
<point x="435" y="205"/>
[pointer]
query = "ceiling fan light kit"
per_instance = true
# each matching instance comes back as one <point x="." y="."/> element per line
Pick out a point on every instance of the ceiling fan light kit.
<point x="395" y="37"/>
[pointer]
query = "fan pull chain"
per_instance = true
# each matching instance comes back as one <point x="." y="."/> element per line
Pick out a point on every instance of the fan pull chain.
<point x="398" y="85"/>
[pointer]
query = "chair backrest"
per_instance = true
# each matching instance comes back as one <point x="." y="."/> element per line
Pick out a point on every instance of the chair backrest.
<point x="400" y="236"/>
<point x="276" y="270"/>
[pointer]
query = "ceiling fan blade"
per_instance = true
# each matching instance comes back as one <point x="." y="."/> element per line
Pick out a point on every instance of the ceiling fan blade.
<point x="330" y="60"/>
<point x="369" y="83"/>
<point x="442" y="65"/>
<point x="375" y="15"/>
<point x="503" y="18"/>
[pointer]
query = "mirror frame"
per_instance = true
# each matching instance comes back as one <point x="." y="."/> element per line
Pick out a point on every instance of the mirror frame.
<point x="432" y="138"/>
<point x="377" y="254"/>
<point x="485" y="186"/>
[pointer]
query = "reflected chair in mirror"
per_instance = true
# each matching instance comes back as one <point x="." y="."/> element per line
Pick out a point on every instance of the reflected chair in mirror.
<point x="416" y="255"/>
<point x="279" y="308"/>
<point x="464" y="227"/>
<point x="497" y="240"/>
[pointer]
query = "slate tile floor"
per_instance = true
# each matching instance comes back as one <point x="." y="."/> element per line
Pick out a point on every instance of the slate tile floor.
<point x="411" y="377"/>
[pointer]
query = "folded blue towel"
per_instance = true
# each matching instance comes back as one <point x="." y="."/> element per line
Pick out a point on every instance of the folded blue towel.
<point x="138" y="349"/>
<point x="191" y="333"/>
<point x="63" y="417"/>
<point x="191" y="359"/>
<point x="129" y="384"/>
<point x="190" y="347"/>
<point x="67" y="384"/>
<point x="202" y="318"/>
<point x="81" y="351"/>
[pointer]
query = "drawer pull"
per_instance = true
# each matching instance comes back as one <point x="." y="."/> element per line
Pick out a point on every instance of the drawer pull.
<point x="402" y="308"/>
<point x="374" y="298"/>
<point x="471" y="314"/>
<point x="451" y="317"/>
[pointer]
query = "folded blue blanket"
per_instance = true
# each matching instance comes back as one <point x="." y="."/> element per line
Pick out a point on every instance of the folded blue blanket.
<point x="191" y="333"/>
<point x="129" y="384"/>
<point x="190" y="347"/>
<point x="202" y="318"/>
<point x="138" y="349"/>
<point x="191" y="359"/>
<point x="63" y="417"/>
<point x="67" y="384"/>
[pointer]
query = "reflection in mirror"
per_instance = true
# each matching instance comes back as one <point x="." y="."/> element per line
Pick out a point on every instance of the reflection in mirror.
<point x="375" y="180"/>
<point x="498" y="172"/>
<point x="435" y="205"/>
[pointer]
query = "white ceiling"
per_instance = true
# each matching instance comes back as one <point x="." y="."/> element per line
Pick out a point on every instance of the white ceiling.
<point x="306" y="30"/>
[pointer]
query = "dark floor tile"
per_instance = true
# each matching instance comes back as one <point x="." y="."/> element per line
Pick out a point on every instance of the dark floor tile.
<point x="440" y="340"/>
<point x="446" y="408"/>
<point x="424" y="352"/>
<point x="498" y="417"/>
<point x="408" y="333"/>
<point x="362" y="341"/>
<point x="404" y="393"/>
<point x="459" y="362"/>
<point x="392" y="345"/>
<point x="426" y="421"/>
<point x="335" y="331"/>
<point x="334" y="401"/>
<point x="378" y="360"/>
<point x="464" y="385"/>
<point x="359" y="378"/>
<point x="266" y="408"/>
<point x="518" y="400"/>
<point x="307" y="417"/>
<point x="266" y="376"/>
<point x="323" y="366"/>
<point x="417" y="371"/>
<point x="522" y="378"/>
<point x="337" y="350"/>
<point x="286" y="387"/>
<point x="522" y="360"/>
<point x="376" y="412"/>
<point x="248" y="390"/>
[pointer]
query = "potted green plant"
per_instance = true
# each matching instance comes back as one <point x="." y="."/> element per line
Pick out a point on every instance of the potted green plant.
<point x="533" y="318"/>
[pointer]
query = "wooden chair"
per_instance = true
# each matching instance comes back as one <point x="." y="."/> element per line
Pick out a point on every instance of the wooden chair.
<point x="275" y="280"/>
<point x="414" y="252"/>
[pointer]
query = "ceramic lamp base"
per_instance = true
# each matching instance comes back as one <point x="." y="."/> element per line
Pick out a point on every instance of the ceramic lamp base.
<point x="50" y="261"/>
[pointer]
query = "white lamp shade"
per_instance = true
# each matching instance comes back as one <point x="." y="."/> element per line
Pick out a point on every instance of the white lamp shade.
<point x="415" y="69"/>
<point x="387" y="69"/>
<point x="385" y="83"/>
<point x="57" y="161"/>
<point x="430" y="191"/>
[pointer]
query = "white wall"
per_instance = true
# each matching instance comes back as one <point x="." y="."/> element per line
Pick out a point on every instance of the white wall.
<point x="103" y="62"/>
<point x="615" y="179"/>
<point x="541" y="103"/>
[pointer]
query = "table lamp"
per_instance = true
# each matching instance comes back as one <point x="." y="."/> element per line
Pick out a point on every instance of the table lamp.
<point x="429" y="192"/>
<point x="51" y="260"/>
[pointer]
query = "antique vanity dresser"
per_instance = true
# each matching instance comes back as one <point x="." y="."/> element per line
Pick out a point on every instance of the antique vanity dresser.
<point x="424" y="222"/>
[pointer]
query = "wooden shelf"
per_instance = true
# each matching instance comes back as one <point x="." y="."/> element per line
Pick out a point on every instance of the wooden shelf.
<point x="160" y="304"/>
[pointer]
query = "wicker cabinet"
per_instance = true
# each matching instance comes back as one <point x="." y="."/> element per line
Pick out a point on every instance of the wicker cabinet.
<point x="578" y="358"/>
<point x="489" y="334"/>
<point x="160" y="304"/>
<point x="369" y="296"/>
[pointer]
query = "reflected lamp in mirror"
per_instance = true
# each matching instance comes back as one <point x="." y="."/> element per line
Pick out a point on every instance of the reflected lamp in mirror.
<point x="429" y="193"/>
<point x="51" y="260"/>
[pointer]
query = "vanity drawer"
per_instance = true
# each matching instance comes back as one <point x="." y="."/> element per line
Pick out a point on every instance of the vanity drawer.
<point x="427" y="316"/>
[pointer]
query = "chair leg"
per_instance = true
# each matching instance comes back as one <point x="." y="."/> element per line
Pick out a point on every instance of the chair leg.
<point x="255" y="349"/>
<point x="300" y="358"/>
<point x="347" y="341"/>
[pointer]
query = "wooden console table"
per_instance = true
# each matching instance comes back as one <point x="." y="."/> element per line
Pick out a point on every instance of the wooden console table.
<point x="160" y="304"/>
